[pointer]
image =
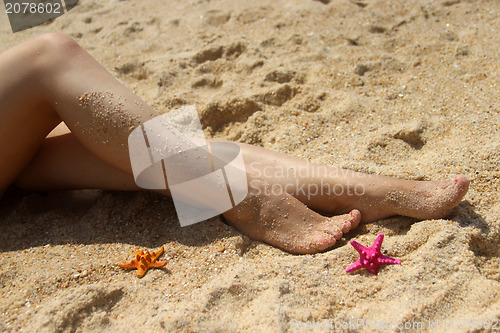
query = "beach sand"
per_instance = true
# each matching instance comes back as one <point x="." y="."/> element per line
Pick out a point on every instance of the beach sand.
<point x="406" y="89"/>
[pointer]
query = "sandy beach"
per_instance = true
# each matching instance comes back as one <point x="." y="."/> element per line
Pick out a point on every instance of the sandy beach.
<point x="407" y="89"/>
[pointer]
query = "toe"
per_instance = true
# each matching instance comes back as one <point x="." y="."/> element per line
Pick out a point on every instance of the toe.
<point x="349" y="221"/>
<point x="355" y="218"/>
<point x="462" y="183"/>
<point x="320" y="242"/>
<point x="333" y="229"/>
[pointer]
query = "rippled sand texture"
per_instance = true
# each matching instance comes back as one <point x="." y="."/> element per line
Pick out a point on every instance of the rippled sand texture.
<point x="400" y="88"/>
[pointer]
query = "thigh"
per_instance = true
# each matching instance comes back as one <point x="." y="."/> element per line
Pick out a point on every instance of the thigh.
<point x="25" y="115"/>
<point x="63" y="162"/>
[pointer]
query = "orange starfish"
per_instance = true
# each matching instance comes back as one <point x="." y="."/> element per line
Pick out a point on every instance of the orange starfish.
<point x="144" y="261"/>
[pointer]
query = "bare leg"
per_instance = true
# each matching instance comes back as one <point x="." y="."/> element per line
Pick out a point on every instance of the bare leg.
<point x="277" y="217"/>
<point x="25" y="116"/>
<point x="42" y="81"/>
<point x="281" y="187"/>
<point x="63" y="163"/>
<point x="59" y="73"/>
<point x="60" y="81"/>
<point x="335" y="190"/>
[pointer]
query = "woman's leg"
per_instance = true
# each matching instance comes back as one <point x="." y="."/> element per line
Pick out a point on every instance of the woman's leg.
<point x="269" y="213"/>
<point x="336" y="190"/>
<point x="43" y="81"/>
<point x="26" y="117"/>
<point x="61" y="81"/>
<point x="51" y="78"/>
<point x="63" y="163"/>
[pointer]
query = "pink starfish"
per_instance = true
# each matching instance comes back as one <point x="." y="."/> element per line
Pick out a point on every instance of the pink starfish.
<point x="370" y="257"/>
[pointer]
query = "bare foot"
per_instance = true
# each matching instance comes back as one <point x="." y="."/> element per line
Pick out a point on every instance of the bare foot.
<point x="419" y="199"/>
<point x="283" y="187"/>
<point x="285" y="222"/>
<point x="338" y="191"/>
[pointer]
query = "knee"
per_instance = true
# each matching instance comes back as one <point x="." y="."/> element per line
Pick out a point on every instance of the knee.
<point x="53" y="48"/>
<point x="56" y="43"/>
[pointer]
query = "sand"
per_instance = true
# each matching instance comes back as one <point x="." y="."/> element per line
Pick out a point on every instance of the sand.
<point x="406" y="89"/>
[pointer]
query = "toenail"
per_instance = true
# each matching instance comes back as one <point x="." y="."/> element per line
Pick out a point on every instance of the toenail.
<point x="319" y="241"/>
